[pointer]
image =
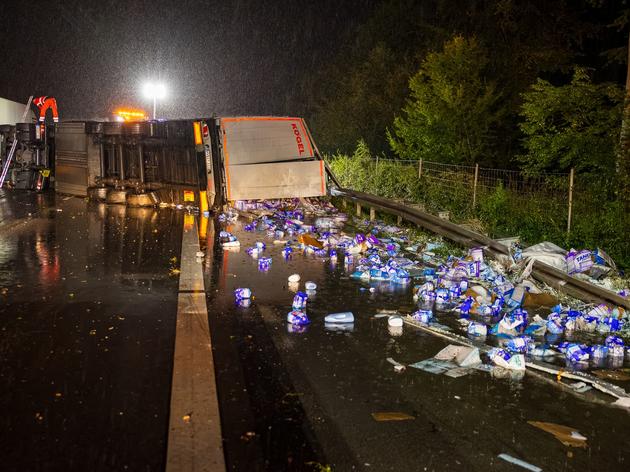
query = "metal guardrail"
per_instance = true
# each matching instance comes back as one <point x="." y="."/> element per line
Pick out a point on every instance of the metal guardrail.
<point x="577" y="288"/>
<point x="543" y="272"/>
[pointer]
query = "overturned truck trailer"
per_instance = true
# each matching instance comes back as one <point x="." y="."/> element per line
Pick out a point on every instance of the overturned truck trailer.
<point x="205" y="162"/>
<point x="270" y="158"/>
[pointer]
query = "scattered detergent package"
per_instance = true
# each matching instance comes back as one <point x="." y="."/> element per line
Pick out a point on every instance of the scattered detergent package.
<point x="264" y="263"/>
<point x="578" y="261"/>
<point x="476" y="253"/>
<point x="499" y="357"/>
<point x="254" y="251"/>
<point x="477" y="329"/>
<point x="519" y="344"/>
<point x="228" y="239"/>
<point x="344" y="317"/>
<point x="615" y="346"/>
<point x="310" y="285"/>
<point x="599" y="352"/>
<point x="442" y="295"/>
<point x="422" y="316"/>
<point x="242" y="293"/>
<point x="481" y="297"/>
<point x="297" y="317"/>
<point x="576" y="353"/>
<point x="299" y="301"/>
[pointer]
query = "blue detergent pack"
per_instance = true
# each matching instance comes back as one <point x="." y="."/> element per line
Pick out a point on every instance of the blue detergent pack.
<point x="264" y="263"/>
<point x="468" y="286"/>
<point x="297" y="317"/>
<point x="615" y="346"/>
<point x="423" y="316"/>
<point x="519" y="344"/>
<point x="477" y="329"/>
<point x="242" y="293"/>
<point x="299" y="301"/>
<point x="577" y="353"/>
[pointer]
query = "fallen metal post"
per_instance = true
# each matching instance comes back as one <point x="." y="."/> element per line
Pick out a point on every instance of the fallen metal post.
<point x="570" y="201"/>
<point x="474" y="202"/>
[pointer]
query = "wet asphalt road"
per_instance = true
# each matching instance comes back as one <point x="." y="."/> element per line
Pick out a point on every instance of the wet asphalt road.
<point x="87" y="319"/>
<point x="325" y="384"/>
<point x="17" y="206"/>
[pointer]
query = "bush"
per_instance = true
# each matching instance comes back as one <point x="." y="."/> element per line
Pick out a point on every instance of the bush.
<point x="598" y="219"/>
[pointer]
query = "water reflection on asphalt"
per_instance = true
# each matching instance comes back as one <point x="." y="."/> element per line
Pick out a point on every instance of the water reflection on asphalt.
<point x="87" y="318"/>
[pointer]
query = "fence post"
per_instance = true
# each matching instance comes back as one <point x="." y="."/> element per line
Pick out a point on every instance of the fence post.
<point x="475" y="185"/>
<point x="420" y="169"/>
<point x="377" y="163"/>
<point x="570" y="201"/>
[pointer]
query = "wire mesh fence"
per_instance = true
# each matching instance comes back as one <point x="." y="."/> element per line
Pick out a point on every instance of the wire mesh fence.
<point x="463" y="190"/>
<point x="548" y="183"/>
<point x="579" y="212"/>
<point x="482" y="181"/>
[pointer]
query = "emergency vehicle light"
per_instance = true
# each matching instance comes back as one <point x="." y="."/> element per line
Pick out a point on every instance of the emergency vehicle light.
<point x="128" y="115"/>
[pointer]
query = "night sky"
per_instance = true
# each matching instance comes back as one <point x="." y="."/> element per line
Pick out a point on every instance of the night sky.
<point x="225" y="57"/>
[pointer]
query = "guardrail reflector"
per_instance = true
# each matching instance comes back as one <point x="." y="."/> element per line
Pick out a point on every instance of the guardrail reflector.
<point x="203" y="201"/>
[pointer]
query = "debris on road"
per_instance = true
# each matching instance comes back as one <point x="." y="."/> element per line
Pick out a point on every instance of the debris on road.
<point x="242" y="294"/>
<point x="434" y="366"/>
<point x="398" y="367"/>
<point x="565" y="434"/>
<point x="502" y="358"/>
<point x="463" y="356"/>
<point x="297" y="317"/>
<point x="392" y="416"/>
<point x="345" y="317"/>
<point x="518" y="462"/>
<point x="228" y="239"/>
<point x="611" y="375"/>
<point x="488" y="301"/>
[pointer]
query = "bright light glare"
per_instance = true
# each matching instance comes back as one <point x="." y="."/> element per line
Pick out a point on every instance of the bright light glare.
<point x="154" y="90"/>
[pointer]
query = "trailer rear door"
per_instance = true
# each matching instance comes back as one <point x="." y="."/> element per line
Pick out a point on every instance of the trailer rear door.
<point x="270" y="157"/>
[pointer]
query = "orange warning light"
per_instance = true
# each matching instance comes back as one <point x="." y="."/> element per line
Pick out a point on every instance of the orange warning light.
<point x="131" y="115"/>
<point x="197" y="131"/>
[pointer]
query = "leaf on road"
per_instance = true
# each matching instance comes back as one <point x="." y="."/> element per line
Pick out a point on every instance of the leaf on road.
<point x="565" y="434"/>
<point x="392" y="416"/>
<point x="310" y="241"/>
